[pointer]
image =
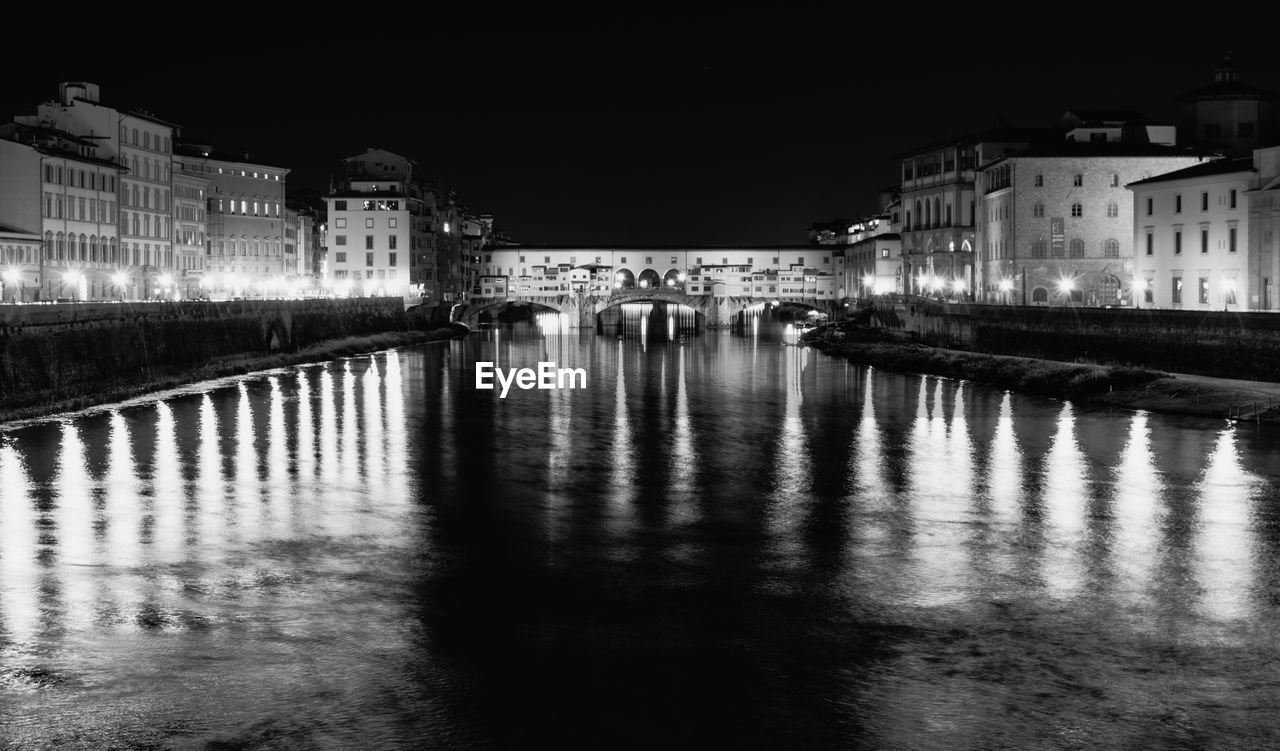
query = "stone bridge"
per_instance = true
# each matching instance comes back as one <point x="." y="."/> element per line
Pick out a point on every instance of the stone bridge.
<point x="584" y="309"/>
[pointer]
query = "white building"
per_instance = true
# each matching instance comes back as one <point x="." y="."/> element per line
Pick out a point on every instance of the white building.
<point x="1191" y="229"/>
<point x="245" y="239"/>
<point x="53" y="185"/>
<point x="142" y="145"/>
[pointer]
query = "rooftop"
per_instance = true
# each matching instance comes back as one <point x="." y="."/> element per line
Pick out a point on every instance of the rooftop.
<point x="1215" y="167"/>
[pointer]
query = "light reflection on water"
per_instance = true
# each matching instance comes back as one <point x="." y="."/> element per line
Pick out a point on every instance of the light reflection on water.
<point x="719" y="538"/>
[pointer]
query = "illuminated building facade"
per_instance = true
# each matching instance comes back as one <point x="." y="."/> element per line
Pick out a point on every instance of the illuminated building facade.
<point x="142" y="145"/>
<point x="1191" y="238"/>
<point x="245" y="211"/>
<point x="939" y="209"/>
<point x="53" y="185"/>
<point x="1055" y="222"/>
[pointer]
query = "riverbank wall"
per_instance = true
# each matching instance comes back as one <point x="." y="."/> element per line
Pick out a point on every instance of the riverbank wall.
<point x="52" y="354"/>
<point x="1210" y="343"/>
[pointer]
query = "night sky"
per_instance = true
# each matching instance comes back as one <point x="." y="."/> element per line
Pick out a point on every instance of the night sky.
<point x="615" y="135"/>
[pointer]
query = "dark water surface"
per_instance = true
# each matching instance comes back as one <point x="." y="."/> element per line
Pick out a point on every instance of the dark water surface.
<point x="719" y="542"/>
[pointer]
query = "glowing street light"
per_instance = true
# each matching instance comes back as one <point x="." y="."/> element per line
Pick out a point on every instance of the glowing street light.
<point x="13" y="278"/>
<point x="72" y="277"/>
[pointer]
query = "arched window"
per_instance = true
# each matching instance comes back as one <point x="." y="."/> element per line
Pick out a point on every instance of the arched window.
<point x="1113" y="210"/>
<point x="135" y="136"/>
<point x="1111" y="249"/>
<point x="49" y="248"/>
<point x="146" y="139"/>
<point x="919" y="215"/>
<point x="1037" y="210"/>
<point x="928" y="214"/>
<point x="1077" y="210"/>
<point x="93" y="248"/>
<point x="115" y="252"/>
<point x="62" y="247"/>
<point x="1040" y="294"/>
<point x="1077" y="248"/>
<point x="84" y="248"/>
<point x="937" y="212"/>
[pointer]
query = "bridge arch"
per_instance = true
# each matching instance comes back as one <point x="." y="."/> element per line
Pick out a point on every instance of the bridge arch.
<point x="623" y="278"/>
<point x="649" y="279"/>
<point x="507" y="311"/>
<point x="673" y="278"/>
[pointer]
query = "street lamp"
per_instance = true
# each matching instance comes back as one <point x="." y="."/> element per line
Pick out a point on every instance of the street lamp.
<point x="166" y="282"/>
<point x="1006" y="286"/>
<point x="13" y="278"/>
<point x="120" y="280"/>
<point x="1066" y="286"/>
<point x="72" y="277"/>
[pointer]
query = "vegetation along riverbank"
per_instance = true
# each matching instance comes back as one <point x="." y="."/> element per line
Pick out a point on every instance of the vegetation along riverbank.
<point x="1086" y="383"/>
<point x="219" y="367"/>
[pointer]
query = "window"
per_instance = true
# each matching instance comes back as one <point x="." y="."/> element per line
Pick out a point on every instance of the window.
<point x="391" y="257"/>
<point x="1039" y="249"/>
<point x="1115" y="180"/>
<point x="1231" y="240"/>
<point x="391" y="242"/>
<point x="1148" y="290"/>
<point x="340" y="223"/>
<point x="1039" y="294"/>
<point x="1231" y="199"/>
<point x="340" y="257"/>
<point x="1037" y="210"/>
<point x="1177" y="204"/>
<point x="339" y="205"/>
<point x="1202" y="290"/>
<point x="1150" y="205"/>
<point x="1077" y="248"/>
<point x="775" y="260"/>
<point x="1204" y="241"/>
<point x="339" y="239"/>
<point x="1039" y="182"/>
<point x="546" y="259"/>
<point x="1077" y="210"/>
<point x="1150" y="247"/>
<point x="1177" y="242"/>
<point x="368" y="223"/>
<point x="1177" y="290"/>
<point x="1204" y="201"/>
<point x="1113" y="210"/>
<point x="1077" y="181"/>
<point x="648" y="260"/>
<point x="368" y="242"/>
<point x="884" y="252"/>
<point x="1111" y="249"/>
<point x="368" y="259"/>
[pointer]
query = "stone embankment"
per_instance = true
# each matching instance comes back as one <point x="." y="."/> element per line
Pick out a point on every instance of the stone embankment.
<point x="1087" y="383"/>
<point x="59" y="358"/>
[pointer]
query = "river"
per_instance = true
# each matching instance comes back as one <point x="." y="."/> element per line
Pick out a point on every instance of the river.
<point x="719" y="540"/>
